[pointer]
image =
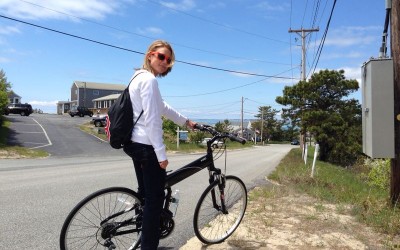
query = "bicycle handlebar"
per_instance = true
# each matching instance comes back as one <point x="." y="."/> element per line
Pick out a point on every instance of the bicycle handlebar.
<point x="219" y="135"/>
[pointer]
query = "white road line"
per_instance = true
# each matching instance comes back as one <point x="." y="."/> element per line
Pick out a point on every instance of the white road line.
<point x="44" y="131"/>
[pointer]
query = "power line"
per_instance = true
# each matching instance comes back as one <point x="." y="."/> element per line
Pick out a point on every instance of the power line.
<point x="218" y="24"/>
<point x="319" y="51"/>
<point x="137" y="52"/>
<point x="227" y="103"/>
<point x="151" y="38"/>
<point x="224" y="90"/>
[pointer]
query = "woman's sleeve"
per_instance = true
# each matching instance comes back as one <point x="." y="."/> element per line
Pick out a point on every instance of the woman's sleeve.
<point x="153" y="106"/>
<point x="174" y="115"/>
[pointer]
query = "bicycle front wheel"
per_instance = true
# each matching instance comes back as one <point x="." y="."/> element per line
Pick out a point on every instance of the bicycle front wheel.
<point x="103" y="220"/>
<point x="213" y="225"/>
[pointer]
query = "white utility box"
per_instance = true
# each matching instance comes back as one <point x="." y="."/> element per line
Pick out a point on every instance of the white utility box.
<point x="378" y="108"/>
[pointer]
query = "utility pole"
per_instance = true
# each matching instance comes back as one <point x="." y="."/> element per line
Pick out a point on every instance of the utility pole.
<point x="241" y="123"/>
<point x="395" y="51"/>
<point x="303" y="33"/>
<point x="262" y="124"/>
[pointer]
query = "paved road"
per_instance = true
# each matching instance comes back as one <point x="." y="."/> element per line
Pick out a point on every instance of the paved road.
<point x="37" y="195"/>
<point x="57" y="134"/>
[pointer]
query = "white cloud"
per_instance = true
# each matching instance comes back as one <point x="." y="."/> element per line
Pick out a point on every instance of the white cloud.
<point x="351" y="36"/>
<point x="352" y="73"/>
<point x="150" y="31"/>
<point x="4" y="60"/>
<point x="39" y="9"/>
<point x="266" y="6"/>
<point x="349" y="54"/>
<point x="184" y="5"/>
<point x="8" y="30"/>
<point x="44" y="103"/>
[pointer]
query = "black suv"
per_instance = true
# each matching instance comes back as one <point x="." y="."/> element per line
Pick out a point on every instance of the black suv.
<point x="18" y="108"/>
<point x="80" y="111"/>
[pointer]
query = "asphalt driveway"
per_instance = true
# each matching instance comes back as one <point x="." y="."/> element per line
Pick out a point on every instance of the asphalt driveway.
<point x="59" y="135"/>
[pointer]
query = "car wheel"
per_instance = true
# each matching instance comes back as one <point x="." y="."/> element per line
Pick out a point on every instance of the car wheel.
<point x="22" y="113"/>
<point x="81" y="115"/>
<point x="97" y="124"/>
<point x="72" y="115"/>
<point x="214" y="146"/>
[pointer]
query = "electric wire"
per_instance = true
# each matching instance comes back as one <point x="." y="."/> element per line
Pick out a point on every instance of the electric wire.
<point x="152" y="38"/>
<point x="224" y="90"/>
<point x="304" y="14"/>
<point x="218" y="24"/>
<point x="137" y="52"/>
<point x="319" y="51"/>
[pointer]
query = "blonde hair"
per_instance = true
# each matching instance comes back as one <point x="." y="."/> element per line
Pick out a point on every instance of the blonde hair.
<point x="153" y="47"/>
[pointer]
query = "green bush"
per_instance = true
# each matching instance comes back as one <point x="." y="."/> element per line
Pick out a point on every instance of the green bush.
<point x="379" y="174"/>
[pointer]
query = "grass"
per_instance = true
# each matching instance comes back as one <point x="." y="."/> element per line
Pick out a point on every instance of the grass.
<point x="335" y="184"/>
<point x="7" y="151"/>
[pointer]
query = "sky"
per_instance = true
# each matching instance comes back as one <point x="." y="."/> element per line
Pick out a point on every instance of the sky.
<point x="226" y="51"/>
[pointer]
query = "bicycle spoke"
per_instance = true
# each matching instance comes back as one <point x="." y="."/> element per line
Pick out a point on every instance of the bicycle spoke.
<point x="211" y="224"/>
<point x="82" y="229"/>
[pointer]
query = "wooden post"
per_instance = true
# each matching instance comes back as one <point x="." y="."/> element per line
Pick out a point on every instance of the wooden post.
<point x="395" y="51"/>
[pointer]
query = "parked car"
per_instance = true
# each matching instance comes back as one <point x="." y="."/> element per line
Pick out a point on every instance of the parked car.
<point x="80" y="111"/>
<point x="295" y="142"/>
<point x="18" y="108"/>
<point x="215" y="144"/>
<point x="99" y="121"/>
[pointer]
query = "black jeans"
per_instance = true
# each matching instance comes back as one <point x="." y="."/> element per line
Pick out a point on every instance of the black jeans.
<point x="151" y="181"/>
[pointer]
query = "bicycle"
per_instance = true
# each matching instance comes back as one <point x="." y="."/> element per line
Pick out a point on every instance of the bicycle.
<point x="111" y="218"/>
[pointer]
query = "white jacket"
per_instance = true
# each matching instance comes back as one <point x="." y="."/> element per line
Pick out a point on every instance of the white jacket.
<point x="146" y="96"/>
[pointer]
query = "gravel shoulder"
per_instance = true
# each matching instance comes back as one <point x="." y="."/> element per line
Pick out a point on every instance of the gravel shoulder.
<point x="280" y="219"/>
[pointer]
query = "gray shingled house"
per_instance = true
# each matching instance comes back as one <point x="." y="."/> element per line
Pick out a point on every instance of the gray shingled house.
<point x="95" y="96"/>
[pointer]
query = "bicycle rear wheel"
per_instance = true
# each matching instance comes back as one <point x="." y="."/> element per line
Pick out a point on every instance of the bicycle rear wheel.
<point x="83" y="230"/>
<point x="211" y="225"/>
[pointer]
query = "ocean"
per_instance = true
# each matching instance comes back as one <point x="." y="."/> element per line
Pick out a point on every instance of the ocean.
<point x="212" y="122"/>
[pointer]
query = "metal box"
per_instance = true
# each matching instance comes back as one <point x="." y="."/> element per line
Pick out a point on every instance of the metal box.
<point x="378" y="108"/>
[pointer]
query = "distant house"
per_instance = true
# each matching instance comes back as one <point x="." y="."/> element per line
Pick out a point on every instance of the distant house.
<point x="13" y="97"/>
<point x="85" y="94"/>
<point x="102" y="104"/>
<point x="248" y="133"/>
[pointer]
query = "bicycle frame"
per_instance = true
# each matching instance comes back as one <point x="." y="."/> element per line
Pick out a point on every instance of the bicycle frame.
<point x="206" y="161"/>
<point x="115" y="223"/>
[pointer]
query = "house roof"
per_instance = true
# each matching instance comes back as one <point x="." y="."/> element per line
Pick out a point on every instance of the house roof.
<point x="12" y="94"/>
<point x="107" y="97"/>
<point x="97" y="85"/>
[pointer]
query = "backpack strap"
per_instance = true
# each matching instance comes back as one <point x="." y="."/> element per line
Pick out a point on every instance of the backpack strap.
<point x="141" y="113"/>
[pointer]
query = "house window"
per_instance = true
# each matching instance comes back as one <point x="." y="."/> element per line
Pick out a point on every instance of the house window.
<point x="95" y="92"/>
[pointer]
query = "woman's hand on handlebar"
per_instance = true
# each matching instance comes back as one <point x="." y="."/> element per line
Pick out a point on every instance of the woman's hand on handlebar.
<point x="191" y="124"/>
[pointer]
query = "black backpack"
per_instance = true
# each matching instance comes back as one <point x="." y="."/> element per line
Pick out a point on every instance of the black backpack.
<point x="119" y="120"/>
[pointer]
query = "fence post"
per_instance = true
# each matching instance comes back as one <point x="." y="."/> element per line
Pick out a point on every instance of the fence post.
<point x="305" y="153"/>
<point x="315" y="159"/>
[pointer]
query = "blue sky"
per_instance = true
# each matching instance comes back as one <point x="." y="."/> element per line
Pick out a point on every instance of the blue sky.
<point x="249" y="36"/>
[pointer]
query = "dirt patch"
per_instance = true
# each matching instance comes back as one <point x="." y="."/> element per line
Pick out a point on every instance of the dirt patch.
<point x="298" y="221"/>
<point x="4" y="154"/>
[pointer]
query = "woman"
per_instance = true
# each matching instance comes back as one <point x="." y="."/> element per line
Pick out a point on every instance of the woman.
<point x="147" y="149"/>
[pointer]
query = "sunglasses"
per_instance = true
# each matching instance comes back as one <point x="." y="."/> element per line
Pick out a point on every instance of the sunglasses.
<point x="162" y="57"/>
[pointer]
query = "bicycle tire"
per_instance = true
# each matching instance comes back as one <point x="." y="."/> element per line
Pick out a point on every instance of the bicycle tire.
<point x="211" y="226"/>
<point x="82" y="229"/>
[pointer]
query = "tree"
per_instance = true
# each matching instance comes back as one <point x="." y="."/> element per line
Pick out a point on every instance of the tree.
<point x="322" y="107"/>
<point x="269" y="123"/>
<point x="223" y="126"/>
<point x="4" y="88"/>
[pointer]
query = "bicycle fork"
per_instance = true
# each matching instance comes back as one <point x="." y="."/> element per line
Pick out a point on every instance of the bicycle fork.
<point x="221" y="187"/>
